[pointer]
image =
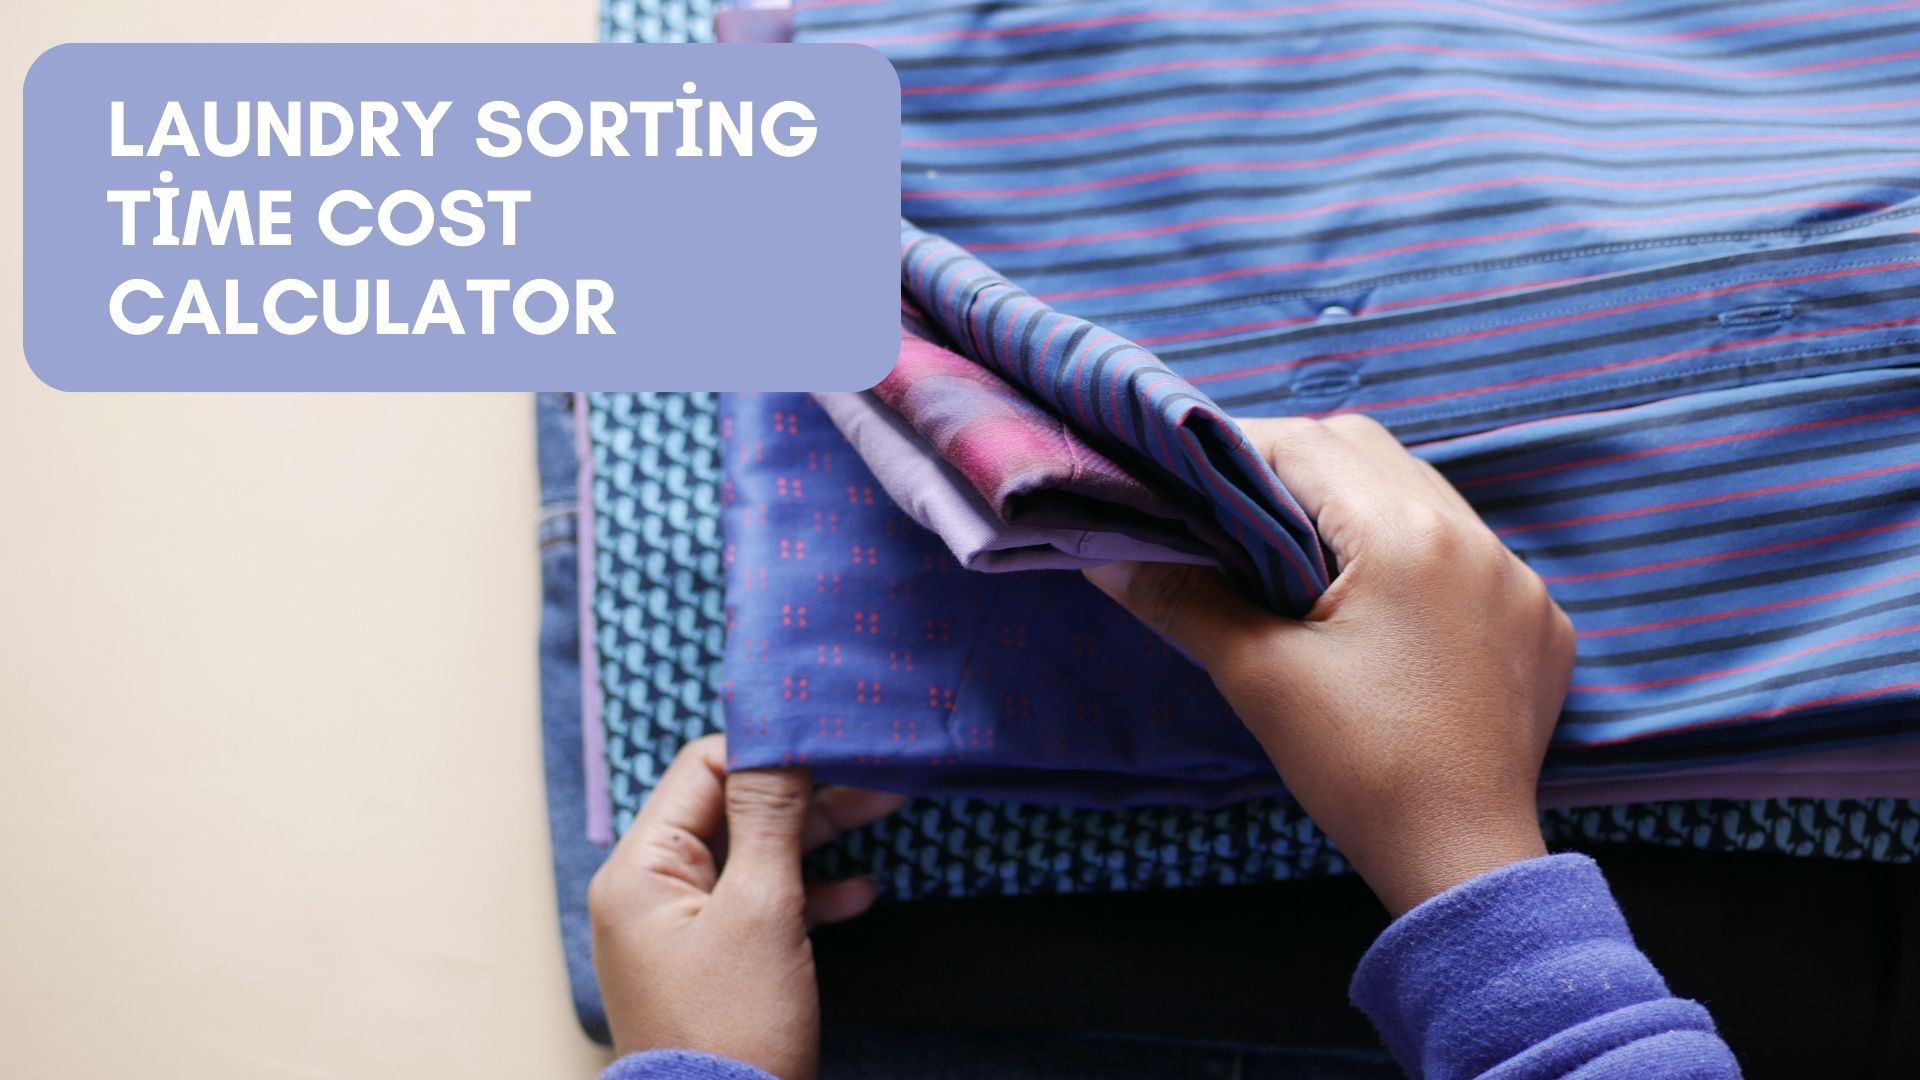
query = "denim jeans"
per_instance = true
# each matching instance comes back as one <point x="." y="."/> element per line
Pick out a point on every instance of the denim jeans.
<point x="574" y="857"/>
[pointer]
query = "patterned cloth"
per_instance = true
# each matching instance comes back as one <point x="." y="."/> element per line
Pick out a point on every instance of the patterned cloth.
<point x="657" y="601"/>
<point x="661" y="22"/>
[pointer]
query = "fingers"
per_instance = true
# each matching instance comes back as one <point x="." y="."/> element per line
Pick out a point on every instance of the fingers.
<point x="1377" y="444"/>
<point x="766" y="812"/>
<point x="839" y="810"/>
<point x="1315" y="464"/>
<point x="1339" y="485"/>
<point x="1192" y="607"/>
<point x="689" y="793"/>
<point x="838" y="901"/>
<point x="1355" y="479"/>
<point x="676" y="833"/>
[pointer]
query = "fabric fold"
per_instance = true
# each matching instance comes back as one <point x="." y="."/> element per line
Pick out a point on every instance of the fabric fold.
<point x="1123" y="400"/>
<point x="942" y="500"/>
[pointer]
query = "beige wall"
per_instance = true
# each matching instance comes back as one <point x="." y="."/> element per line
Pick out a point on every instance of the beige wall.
<point x="269" y="767"/>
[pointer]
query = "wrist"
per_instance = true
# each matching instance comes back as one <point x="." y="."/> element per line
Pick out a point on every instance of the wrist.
<point x="1439" y="857"/>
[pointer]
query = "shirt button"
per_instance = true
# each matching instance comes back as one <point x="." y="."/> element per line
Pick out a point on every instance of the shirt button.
<point x="1334" y="311"/>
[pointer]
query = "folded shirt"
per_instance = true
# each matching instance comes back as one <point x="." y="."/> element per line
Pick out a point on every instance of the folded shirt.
<point x="1184" y="448"/>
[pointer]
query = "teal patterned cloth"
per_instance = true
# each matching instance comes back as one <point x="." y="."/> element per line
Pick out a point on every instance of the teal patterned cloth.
<point x="659" y="21"/>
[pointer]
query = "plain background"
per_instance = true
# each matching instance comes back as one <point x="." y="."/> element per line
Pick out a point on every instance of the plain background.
<point x="269" y="747"/>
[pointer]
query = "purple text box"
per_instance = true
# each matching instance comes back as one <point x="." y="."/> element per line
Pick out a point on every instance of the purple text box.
<point x="748" y="267"/>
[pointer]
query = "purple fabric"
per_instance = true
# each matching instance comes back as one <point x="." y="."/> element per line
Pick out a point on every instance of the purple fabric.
<point x="857" y="646"/>
<point x="937" y="496"/>
<point x="593" y="737"/>
<point x="1530" y="971"/>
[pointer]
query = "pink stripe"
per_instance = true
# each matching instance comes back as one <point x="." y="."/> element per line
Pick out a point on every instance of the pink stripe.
<point x="1757" y="609"/>
<point x="1723" y="556"/>
<point x="1401" y="48"/>
<point x="1763" y="714"/>
<point x="1758" y="665"/>
<point x="1556" y="320"/>
<point x="1148" y="388"/>
<point x="1621" y="365"/>
<point x="1707" y="500"/>
<point x="1296" y="164"/>
<point x="1452" y="242"/>
<point x="1472" y="92"/>
<point x="1467" y="294"/>
<point x="1691" y="444"/>
<point x="1573" y="31"/>
<point x="1448" y="189"/>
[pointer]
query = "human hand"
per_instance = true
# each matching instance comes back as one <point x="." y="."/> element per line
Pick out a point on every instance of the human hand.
<point x="700" y="918"/>
<point x="1410" y="709"/>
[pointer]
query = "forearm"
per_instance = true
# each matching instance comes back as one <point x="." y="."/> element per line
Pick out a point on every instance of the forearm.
<point x="1530" y="971"/>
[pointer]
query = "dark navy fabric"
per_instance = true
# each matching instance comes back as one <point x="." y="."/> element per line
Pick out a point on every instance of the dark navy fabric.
<point x="1638" y="277"/>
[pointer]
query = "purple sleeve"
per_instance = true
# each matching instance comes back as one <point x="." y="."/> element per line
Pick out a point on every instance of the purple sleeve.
<point x="1530" y="971"/>
<point x="680" y="1065"/>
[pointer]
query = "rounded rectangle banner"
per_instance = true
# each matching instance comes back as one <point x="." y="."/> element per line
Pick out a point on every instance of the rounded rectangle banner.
<point x="461" y="217"/>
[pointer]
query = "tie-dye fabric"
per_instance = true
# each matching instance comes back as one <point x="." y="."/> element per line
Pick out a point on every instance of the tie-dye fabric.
<point x="1033" y="469"/>
<point x="939" y="498"/>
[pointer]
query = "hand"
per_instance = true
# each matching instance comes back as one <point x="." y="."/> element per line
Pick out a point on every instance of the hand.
<point x="1410" y="709"/>
<point x="700" y="918"/>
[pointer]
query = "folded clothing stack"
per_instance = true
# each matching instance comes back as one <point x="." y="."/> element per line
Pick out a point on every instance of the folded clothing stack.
<point x="1690" y="409"/>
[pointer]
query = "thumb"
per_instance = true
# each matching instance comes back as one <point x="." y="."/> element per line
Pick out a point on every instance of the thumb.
<point x="1192" y="607"/>
<point x="766" y="816"/>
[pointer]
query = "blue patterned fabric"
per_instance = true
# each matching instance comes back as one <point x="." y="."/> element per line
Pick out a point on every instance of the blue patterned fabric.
<point x="663" y="22"/>
<point x="657" y="602"/>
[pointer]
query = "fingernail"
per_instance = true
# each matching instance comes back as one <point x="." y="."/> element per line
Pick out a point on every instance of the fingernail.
<point x="1110" y="578"/>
